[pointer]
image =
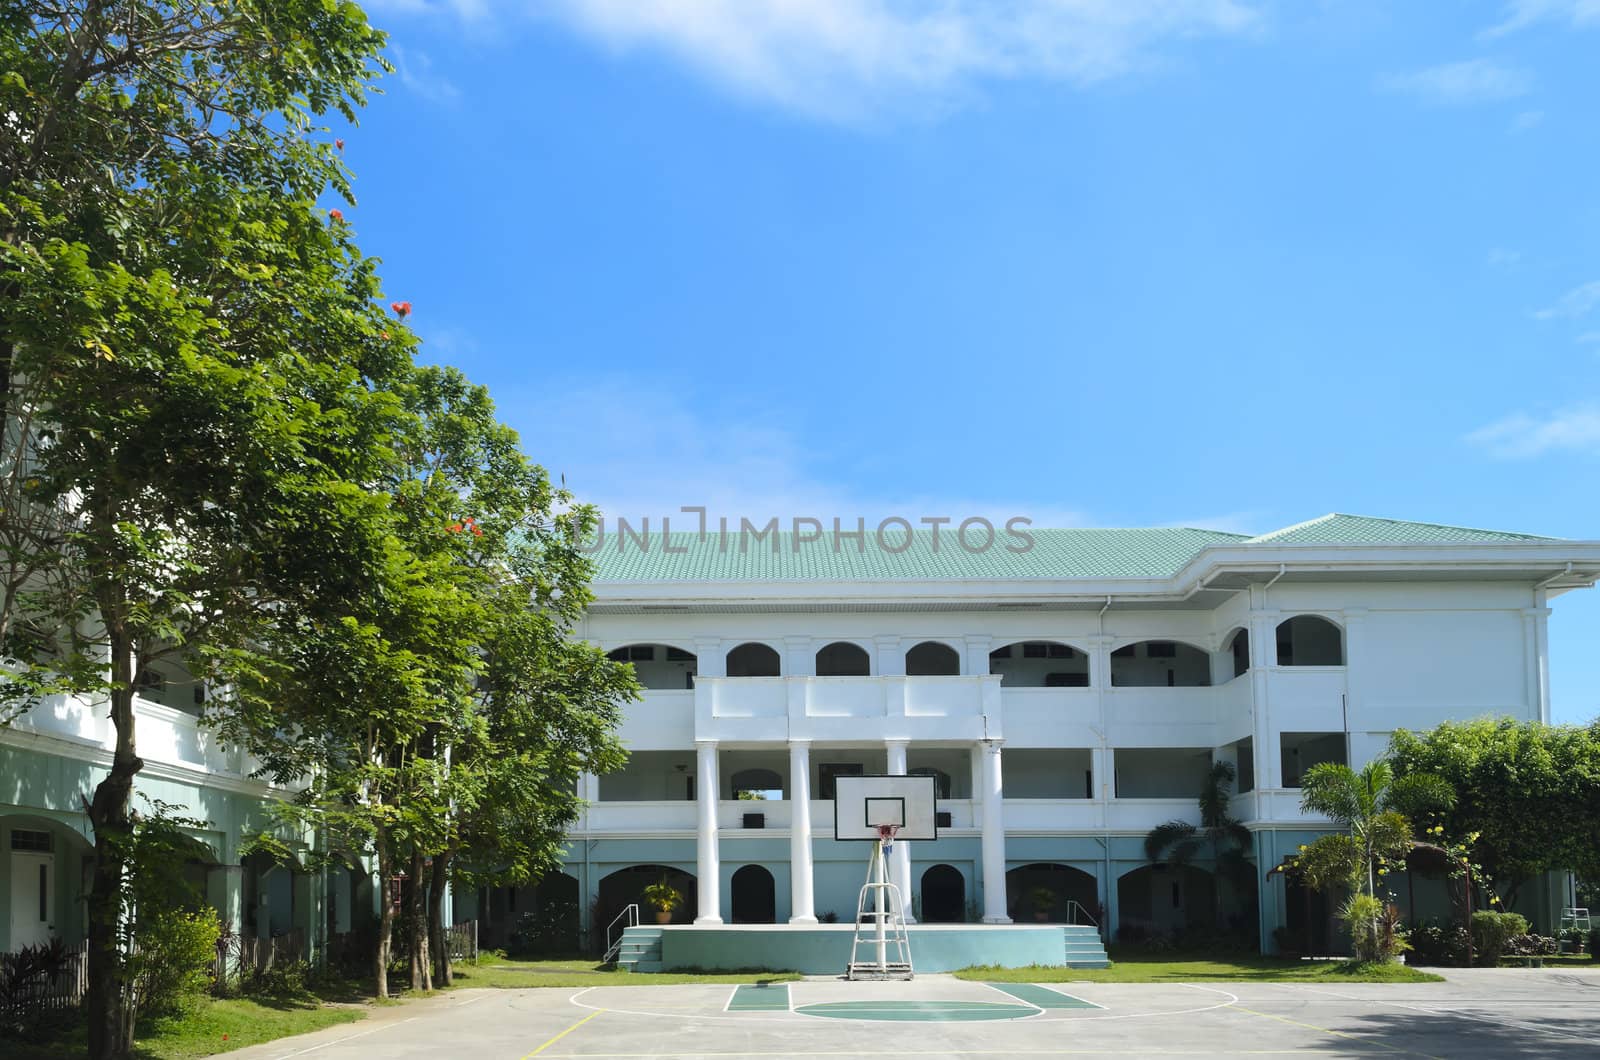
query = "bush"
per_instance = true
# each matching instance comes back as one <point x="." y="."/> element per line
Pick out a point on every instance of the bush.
<point x="550" y="929"/>
<point x="1438" y="944"/>
<point x="290" y="979"/>
<point x="1374" y="928"/>
<point x="25" y="977"/>
<point x="1531" y="945"/>
<point x="1491" y="932"/>
<point x="171" y="966"/>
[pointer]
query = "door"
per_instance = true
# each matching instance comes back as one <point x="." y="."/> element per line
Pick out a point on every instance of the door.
<point x="33" y="892"/>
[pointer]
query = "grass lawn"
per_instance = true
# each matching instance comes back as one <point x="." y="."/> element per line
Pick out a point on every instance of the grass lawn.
<point x="216" y="1027"/>
<point x="511" y="973"/>
<point x="1169" y="968"/>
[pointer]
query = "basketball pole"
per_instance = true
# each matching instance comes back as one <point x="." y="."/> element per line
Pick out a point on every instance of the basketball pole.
<point x="880" y="875"/>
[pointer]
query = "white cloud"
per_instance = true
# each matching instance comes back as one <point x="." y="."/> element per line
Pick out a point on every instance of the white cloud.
<point x="637" y="450"/>
<point x="1520" y="14"/>
<point x="1521" y="436"/>
<point x="1471" y="81"/>
<point x="847" y="59"/>
<point x="1575" y="303"/>
<point x="415" y="70"/>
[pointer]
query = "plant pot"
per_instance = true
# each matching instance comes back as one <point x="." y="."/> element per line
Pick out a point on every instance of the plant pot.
<point x="663" y="916"/>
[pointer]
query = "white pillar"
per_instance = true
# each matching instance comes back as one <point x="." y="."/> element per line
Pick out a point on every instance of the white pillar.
<point x="709" y="869"/>
<point x="994" y="837"/>
<point x="802" y="906"/>
<point x="900" y="855"/>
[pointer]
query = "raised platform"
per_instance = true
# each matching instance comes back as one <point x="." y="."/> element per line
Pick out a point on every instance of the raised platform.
<point x="824" y="949"/>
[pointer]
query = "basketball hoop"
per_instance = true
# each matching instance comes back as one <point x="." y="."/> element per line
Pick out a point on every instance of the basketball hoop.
<point x="886" y="834"/>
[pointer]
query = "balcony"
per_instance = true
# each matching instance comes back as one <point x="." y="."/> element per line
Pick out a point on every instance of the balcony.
<point x="763" y="709"/>
<point x="165" y="736"/>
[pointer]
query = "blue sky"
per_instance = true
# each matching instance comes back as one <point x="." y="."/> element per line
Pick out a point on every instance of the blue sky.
<point x="1096" y="262"/>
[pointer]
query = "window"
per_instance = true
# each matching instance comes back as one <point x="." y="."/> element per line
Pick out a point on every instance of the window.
<point x="30" y="840"/>
<point x="1058" y="651"/>
<point x="1160" y="649"/>
<point x="1001" y="653"/>
<point x="1035" y="649"/>
<point x="149" y="680"/>
<point x="679" y="655"/>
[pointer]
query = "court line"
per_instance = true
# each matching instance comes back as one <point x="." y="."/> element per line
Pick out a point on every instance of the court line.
<point x="563" y="1034"/>
<point x="1337" y="1034"/>
<point x="348" y="1038"/>
<point x="728" y="1005"/>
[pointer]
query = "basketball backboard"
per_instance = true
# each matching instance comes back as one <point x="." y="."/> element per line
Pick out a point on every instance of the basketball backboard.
<point x="862" y="803"/>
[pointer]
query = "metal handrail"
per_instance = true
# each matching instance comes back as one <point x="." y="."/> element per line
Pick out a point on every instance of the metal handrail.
<point x="1074" y="908"/>
<point x="630" y="913"/>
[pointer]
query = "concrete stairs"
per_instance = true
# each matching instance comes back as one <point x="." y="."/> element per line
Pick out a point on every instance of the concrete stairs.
<point x="641" y="950"/>
<point x="1084" y="948"/>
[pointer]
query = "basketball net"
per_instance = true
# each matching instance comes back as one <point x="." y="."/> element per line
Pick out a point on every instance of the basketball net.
<point x="886" y="834"/>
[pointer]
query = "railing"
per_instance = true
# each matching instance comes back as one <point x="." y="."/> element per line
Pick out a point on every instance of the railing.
<point x="631" y="915"/>
<point x="462" y="941"/>
<point x="1075" y="910"/>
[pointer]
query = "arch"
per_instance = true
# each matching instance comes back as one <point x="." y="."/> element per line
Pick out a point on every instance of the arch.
<point x="932" y="658"/>
<point x="941" y="779"/>
<point x="1238" y="647"/>
<point x="754" y="659"/>
<point x="944" y="895"/>
<point x="657" y="665"/>
<point x="754" y="896"/>
<point x="843" y="659"/>
<point x="625" y="887"/>
<point x="550" y="924"/>
<point x="1310" y="640"/>
<point x="67" y="859"/>
<point x="1164" y="900"/>
<point x="1045" y="891"/>
<point x="1040" y="664"/>
<point x="756" y="784"/>
<point x="1160" y="663"/>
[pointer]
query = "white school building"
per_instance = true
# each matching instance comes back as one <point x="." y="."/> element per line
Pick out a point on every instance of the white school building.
<point x="1068" y="693"/>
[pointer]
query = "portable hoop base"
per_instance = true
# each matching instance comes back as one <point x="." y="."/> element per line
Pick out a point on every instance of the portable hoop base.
<point x="880" y="923"/>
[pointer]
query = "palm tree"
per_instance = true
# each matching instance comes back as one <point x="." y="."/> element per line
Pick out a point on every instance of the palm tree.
<point x="1375" y="807"/>
<point x="1178" y="842"/>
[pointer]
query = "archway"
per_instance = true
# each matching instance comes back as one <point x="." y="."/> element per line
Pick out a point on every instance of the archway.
<point x="47" y="865"/>
<point x="1309" y="640"/>
<point x="1164" y="900"/>
<point x="658" y="665"/>
<point x="843" y="659"/>
<point x="1047" y="891"/>
<point x="755" y="896"/>
<point x="1040" y="664"/>
<point x="625" y="887"/>
<point x="1239" y="650"/>
<point x="932" y="659"/>
<point x="753" y="660"/>
<point x="756" y="784"/>
<point x="1160" y="663"/>
<point x="944" y="895"/>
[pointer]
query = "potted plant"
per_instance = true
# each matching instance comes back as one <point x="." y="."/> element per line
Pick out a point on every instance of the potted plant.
<point x="1043" y="900"/>
<point x="663" y="898"/>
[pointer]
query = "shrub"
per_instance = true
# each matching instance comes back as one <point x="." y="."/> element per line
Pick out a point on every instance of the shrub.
<point x="288" y="979"/>
<point x="25" y="977"/>
<point x="172" y="960"/>
<point x="1492" y="931"/>
<point x="1374" y="928"/>
<point x="1438" y="944"/>
<point x="1531" y="945"/>
<point x="552" y="928"/>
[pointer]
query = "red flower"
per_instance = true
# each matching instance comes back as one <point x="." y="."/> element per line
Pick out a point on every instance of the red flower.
<point x="339" y="144"/>
<point x="337" y="215"/>
<point x="384" y="335"/>
<point x="401" y="309"/>
<point x="455" y="528"/>
<point x="476" y="532"/>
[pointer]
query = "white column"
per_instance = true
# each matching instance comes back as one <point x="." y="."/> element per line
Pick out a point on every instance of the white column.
<point x="801" y="897"/>
<point x="900" y="856"/>
<point x="994" y="837"/>
<point x="709" y="869"/>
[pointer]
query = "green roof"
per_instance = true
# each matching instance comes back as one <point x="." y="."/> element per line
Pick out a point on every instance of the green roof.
<point x="1155" y="552"/>
<point x="1338" y="529"/>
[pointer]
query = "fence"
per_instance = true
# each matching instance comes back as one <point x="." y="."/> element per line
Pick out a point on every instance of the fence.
<point x="239" y="954"/>
<point x="63" y="990"/>
<point x="463" y="940"/>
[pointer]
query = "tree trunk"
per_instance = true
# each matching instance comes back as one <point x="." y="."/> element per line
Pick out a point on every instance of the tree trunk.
<point x="110" y="1016"/>
<point x="380" y="971"/>
<point x="421" y="974"/>
<point x="443" y="975"/>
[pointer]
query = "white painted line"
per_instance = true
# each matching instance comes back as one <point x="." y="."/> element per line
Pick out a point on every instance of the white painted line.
<point x="728" y="1004"/>
<point x="351" y="1038"/>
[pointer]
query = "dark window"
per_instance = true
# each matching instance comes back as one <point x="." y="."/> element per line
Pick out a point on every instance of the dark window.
<point x="827" y="771"/>
<point x="1241" y="652"/>
<point x="641" y="653"/>
<point x="29" y="839"/>
<point x="1035" y="649"/>
<point x="1124" y="652"/>
<point x="1160" y="649"/>
<point x="1001" y="653"/>
<point x="1059" y="651"/>
<point x="679" y="655"/>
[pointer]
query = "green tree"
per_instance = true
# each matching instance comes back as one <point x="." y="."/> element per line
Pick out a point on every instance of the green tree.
<point x="1530" y="791"/>
<point x="1376" y="808"/>
<point x="189" y="354"/>
<point x="1219" y="834"/>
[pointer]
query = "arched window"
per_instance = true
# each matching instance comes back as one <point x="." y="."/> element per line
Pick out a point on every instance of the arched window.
<point x="1040" y="664"/>
<point x="753" y="660"/>
<point x="932" y="659"/>
<point x="1309" y="640"/>
<point x="1239" y="648"/>
<point x="1158" y="663"/>
<point x="658" y="666"/>
<point x="843" y="659"/>
<point x="756" y="784"/>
